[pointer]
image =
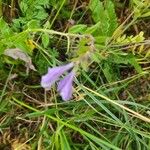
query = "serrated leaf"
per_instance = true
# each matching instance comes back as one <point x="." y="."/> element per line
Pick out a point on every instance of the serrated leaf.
<point x="97" y="10"/>
<point x="23" y="6"/>
<point x="45" y="39"/>
<point x="111" y="16"/>
<point x="41" y="14"/>
<point x="109" y="72"/>
<point x="33" y="24"/>
<point x="41" y="64"/>
<point x="105" y="14"/>
<point x="43" y="2"/>
<point x="20" y="41"/>
<point x="117" y="59"/>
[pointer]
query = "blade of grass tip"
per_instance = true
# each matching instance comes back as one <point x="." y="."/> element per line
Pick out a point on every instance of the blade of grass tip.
<point x="64" y="142"/>
<point x="97" y="140"/>
<point x="103" y="147"/>
<point x="62" y="4"/>
<point x="137" y="115"/>
<point x="58" y="136"/>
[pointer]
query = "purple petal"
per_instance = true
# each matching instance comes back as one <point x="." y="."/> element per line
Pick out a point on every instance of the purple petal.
<point x="65" y="86"/>
<point x="53" y="74"/>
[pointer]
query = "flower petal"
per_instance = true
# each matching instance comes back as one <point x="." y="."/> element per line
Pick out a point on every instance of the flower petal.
<point x="53" y="74"/>
<point x="65" y="86"/>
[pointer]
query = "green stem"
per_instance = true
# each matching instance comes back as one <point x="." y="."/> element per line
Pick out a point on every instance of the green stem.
<point x="1" y="8"/>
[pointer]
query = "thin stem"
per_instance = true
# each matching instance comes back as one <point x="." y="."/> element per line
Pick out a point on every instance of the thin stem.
<point x="43" y="123"/>
<point x="57" y="13"/>
<point x="56" y="32"/>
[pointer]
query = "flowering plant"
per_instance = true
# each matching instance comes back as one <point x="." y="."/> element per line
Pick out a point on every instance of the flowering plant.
<point x="65" y="85"/>
<point x="83" y="55"/>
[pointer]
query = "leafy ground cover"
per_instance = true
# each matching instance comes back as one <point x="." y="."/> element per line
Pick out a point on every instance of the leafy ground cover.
<point x="108" y="42"/>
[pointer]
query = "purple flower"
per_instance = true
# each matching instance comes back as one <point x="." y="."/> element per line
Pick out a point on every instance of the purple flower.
<point x="65" y="86"/>
<point x="53" y="74"/>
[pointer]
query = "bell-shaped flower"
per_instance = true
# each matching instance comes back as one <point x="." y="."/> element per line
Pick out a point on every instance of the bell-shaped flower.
<point x="53" y="74"/>
<point x="65" y="86"/>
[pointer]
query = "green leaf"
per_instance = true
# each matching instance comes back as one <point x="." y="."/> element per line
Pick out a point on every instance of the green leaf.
<point x="97" y="10"/>
<point x="92" y="29"/>
<point x="21" y="41"/>
<point x="118" y="59"/>
<point x="111" y="16"/>
<point x="43" y="2"/>
<point x="41" y="14"/>
<point x="23" y="6"/>
<point x="2" y="48"/>
<point x="5" y="30"/>
<point x="41" y="64"/>
<point x="3" y="24"/>
<point x="33" y="24"/>
<point x="96" y="57"/>
<point x="45" y="39"/>
<point x="80" y="28"/>
<point x="109" y="72"/>
<point x="147" y="14"/>
<point x="135" y="64"/>
<point x="64" y="142"/>
<point x="104" y="13"/>
<point x="101" y="39"/>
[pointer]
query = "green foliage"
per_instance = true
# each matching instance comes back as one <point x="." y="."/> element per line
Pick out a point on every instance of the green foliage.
<point x="126" y="60"/>
<point x="80" y="28"/>
<point x="41" y="64"/>
<point x="64" y="142"/>
<point x="10" y="39"/>
<point x="131" y="39"/>
<point x="31" y="10"/>
<point x="110" y="104"/>
<point x="141" y="8"/>
<point x="45" y="40"/>
<point x="104" y="14"/>
<point x="134" y="40"/>
<point x="103" y="27"/>
<point x="5" y="33"/>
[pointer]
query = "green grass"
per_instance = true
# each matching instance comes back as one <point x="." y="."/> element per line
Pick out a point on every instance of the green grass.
<point x="110" y="107"/>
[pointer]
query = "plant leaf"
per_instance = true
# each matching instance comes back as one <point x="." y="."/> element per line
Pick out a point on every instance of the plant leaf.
<point x="19" y="54"/>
